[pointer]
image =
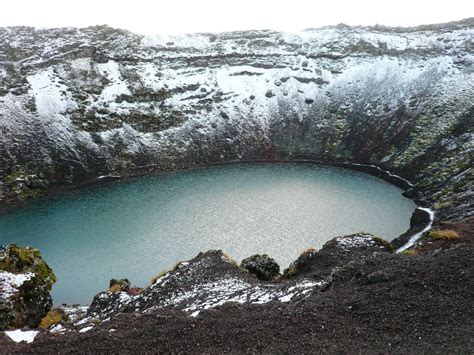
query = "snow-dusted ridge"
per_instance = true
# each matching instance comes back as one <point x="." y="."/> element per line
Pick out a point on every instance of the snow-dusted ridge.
<point x="77" y="104"/>
<point x="212" y="279"/>
<point x="194" y="286"/>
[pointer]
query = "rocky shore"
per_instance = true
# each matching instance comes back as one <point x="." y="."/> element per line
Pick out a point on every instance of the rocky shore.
<point x="354" y="294"/>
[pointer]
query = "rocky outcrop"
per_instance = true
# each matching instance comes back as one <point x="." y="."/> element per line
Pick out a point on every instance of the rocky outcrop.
<point x="371" y="301"/>
<point x="420" y="221"/>
<point x="262" y="266"/>
<point x="336" y="252"/>
<point x="213" y="279"/>
<point x="25" y="283"/>
<point x="79" y="104"/>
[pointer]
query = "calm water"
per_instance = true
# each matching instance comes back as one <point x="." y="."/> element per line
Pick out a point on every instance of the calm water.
<point x="137" y="228"/>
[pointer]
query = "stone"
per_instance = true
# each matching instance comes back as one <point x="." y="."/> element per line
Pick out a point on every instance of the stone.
<point x="410" y="193"/>
<point x="269" y="94"/>
<point x="25" y="281"/>
<point x="419" y="218"/>
<point x="262" y="266"/>
<point x="38" y="184"/>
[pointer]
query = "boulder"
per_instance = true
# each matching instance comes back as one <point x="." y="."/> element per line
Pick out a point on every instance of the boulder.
<point x="25" y="285"/>
<point x="419" y="217"/>
<point x="336" y="253"/>
<point x="262" y="266"/>
<point x="410" y="193"/>
<point x="418" y="221"/>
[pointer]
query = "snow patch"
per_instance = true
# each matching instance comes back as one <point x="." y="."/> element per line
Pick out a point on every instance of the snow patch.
<point x="117" y="86"/>
<point x="357" y="241"/>
<point x="9" y="283"/>
<point x="22" y="335"/>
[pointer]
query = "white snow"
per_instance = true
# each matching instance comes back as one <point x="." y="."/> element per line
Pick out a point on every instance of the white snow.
<point x="86" y="329"/>
<point x="414" y="238"/>
<point x="53" y="100"/>
<point x="83" y="321"/>
<point x="52" y="97"/>
<point x="117" y="85"/>
<point x="58" y="328"/>
<point x="188" y="40"/>
<point x="9" y="283"/>
<point x="347" y="243"/>
<point x="22" y="335"/>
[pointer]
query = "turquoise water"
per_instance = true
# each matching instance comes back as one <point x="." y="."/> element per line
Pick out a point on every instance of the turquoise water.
<point x="139" y="227"/>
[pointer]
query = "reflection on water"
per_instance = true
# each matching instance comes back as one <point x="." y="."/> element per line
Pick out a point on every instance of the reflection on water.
<point x="137" y="228"/>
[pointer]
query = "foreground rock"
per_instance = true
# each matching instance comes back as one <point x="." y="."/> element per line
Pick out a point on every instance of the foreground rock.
<point x="262" y="266"/>
<point x="374" y="302"/>
<point x="213" y="279"/>
<point x="337" y="252"/>
<point x="25" y="283"/>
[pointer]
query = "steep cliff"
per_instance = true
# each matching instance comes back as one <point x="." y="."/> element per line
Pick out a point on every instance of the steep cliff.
<point x="79" y="104"/>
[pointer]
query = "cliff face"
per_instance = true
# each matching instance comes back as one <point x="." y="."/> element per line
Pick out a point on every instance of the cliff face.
<point x="76" y="104"/>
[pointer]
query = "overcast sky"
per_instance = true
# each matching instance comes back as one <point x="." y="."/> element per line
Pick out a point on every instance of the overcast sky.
<point x="185" y="16"/>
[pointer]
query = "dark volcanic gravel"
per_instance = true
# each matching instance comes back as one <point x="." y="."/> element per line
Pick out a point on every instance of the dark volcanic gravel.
<point x="383" y="303"/>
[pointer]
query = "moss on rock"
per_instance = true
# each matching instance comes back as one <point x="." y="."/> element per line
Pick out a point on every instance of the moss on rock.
<point x="29" y="280"/>
<point x="447" y="234"/>
<point x="53" y="317"/>
<point x="17" y="259"/>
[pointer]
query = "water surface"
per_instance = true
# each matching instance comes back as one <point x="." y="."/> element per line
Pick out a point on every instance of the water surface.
<point x="139" y="227"/>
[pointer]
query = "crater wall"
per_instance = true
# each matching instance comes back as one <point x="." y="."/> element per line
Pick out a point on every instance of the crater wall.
<point x="78" y="104"/>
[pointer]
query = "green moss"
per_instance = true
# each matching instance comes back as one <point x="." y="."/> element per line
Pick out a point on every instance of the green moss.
<point x="54" y="316"/>
<point x="290" y="272"/>
<point x="442" y="205"/>
<point x="95" y="321"/>
<point x="18" y="259"/>
<point x="13" y="177"/>
<point x="45" y="272"/>
<point x="410" y="252"/>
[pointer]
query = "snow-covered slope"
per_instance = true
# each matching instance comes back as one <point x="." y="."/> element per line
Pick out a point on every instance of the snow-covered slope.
<point x="76" y="104"/>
